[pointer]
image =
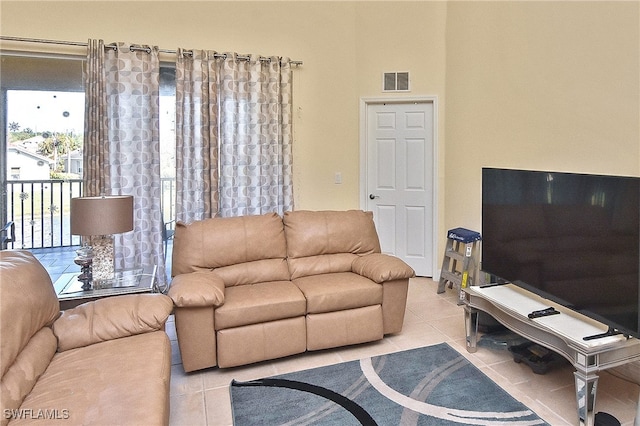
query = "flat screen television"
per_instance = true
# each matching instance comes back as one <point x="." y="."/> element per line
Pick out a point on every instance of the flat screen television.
<point x="569" y="237"/>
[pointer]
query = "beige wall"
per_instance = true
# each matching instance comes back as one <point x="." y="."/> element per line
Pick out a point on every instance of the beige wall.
<point x="320" y="34"/>
<point x="407" y="36"/>
<point x="541" y="85"/>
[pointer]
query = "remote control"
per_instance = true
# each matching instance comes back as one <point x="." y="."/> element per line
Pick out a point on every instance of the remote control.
<point x="543" y="313"/>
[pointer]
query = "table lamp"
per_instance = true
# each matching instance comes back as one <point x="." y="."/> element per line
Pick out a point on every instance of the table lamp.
<point x="98" y="218"/>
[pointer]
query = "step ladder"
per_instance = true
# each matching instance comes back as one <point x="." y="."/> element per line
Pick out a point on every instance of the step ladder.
<point x="459" y="264"/>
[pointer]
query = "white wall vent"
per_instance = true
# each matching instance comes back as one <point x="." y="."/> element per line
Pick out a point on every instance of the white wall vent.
<point x="395" y="81"/>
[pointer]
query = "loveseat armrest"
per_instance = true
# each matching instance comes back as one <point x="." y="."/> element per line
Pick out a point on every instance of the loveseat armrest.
<point x="197" y="290"/>
<point x="380" y="267"/>
<point x="111" y="318"/>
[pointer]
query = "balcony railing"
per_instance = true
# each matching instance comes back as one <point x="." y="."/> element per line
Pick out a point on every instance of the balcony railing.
<point x="41" y="211"/>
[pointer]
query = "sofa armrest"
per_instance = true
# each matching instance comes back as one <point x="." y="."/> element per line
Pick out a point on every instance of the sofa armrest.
<point x="197" y="289"/>
<point x="111" y="318"/>
<point x="380" y="267"/>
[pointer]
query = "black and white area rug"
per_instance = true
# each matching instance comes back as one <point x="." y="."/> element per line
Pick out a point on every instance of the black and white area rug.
<point x="433" y="385"/>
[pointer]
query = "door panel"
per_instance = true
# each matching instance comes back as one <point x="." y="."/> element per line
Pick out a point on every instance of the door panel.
<point x="386" y="234"/>
<point x="399" y="144"/>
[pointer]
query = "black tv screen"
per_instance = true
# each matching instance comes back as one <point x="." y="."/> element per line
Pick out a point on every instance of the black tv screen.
<point x="572" y="238"/>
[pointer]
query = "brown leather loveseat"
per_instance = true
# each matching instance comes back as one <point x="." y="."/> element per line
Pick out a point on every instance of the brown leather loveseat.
<point x="254" y="288"/>
<point x="106" y="362"/>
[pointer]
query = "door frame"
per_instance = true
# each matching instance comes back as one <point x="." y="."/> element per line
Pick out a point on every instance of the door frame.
<point x="365" y="102"/>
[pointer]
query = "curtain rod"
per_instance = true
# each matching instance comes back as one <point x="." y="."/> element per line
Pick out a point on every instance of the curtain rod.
<point x="112" y="46"/>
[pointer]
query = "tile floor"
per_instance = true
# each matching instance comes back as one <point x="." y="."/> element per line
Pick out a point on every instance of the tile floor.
<point x="202" y="398"/>
<point x="59" y="260"/>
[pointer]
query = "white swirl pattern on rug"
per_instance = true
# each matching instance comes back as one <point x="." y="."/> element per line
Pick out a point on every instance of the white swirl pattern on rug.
<point x="415" y="402"/>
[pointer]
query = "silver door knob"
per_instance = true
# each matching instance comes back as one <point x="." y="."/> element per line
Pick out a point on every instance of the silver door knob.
<point x="373" y="197"/>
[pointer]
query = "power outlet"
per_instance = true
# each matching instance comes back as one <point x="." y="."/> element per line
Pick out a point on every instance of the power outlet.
<point x="337" y="179"/>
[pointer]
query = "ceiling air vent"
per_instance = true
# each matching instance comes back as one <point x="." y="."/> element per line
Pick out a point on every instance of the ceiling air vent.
<point x="395" y="81"/>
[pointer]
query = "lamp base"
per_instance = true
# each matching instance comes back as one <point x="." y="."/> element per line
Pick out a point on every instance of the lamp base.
<point x="103" y="258"/>
<point x="85" y="260"/>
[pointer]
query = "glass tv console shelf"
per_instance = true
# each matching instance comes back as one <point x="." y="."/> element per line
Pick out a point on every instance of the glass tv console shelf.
<point x="562" y="333"/>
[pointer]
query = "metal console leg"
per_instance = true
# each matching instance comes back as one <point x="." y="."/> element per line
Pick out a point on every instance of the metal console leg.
<point x="586" y="388"/>
<point x="471" y="328"/>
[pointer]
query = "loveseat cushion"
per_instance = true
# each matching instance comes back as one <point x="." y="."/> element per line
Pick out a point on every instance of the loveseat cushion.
<point x="257" y="271"/>
<point x="108" y="383"/>
<point x="341" y="328"/>
<point x="322" y="264"/>
<point x="257" y="303"/>
<point x="221" y="242"/>
<point x="338" y="291"/>
<point x="311" y="234"/>
<point x="261" y="341"/>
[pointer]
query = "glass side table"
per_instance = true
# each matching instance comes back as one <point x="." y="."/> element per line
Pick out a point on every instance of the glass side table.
<point x="126" y="281"/>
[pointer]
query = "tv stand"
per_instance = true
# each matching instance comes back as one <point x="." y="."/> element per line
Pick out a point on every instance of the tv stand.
<point x="563" y="333"/>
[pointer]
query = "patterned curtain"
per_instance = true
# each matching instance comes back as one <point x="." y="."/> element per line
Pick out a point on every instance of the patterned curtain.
<point x="255" y="136"/>
<point x="196" y="135"/>
<point x="129" y="158"/>
<point x="96" y="154"/>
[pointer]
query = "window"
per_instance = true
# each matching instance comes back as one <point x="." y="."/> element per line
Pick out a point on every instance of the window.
<point x="48" y="124"/>
<point x="41" y="138"/>
<point x="43" y="97"/>
<point x="168" y="140"/>
<point x="41" y="132"/>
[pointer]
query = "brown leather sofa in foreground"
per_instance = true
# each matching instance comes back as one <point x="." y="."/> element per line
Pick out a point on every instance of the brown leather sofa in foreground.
<point x="254" y="288"/>
<point x="106" y="362"/>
